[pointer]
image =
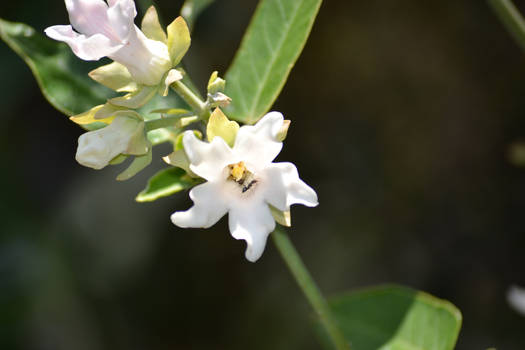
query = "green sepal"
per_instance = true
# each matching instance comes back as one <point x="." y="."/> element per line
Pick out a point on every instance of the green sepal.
<point x="220" y="125"/>
<point x="281" y="217"/>
<point x="107" y="110"/>
<point x="118" y="159"/>
<point x="179" y="159"/>
<point x="281" y="135"/>
<point x="178" y="140"/>
<point x="171" y="111"/>
<point x="151" y="26"/>
<point x="178" y="40"/>
<point x="89" y="117"/>
<point x="166" y="182"/>
<point x="114" y="76"/>
<point x="139" y="163"/>
<point x="135" y="99"/>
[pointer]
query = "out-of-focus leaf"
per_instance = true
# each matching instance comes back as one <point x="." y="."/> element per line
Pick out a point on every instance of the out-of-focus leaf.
<point x="269" y="49"/>
<point x="165" y="183"/>
<point x="62" y="77"/>
<point x="396" y="318"/>
<point x="192" y="9"/>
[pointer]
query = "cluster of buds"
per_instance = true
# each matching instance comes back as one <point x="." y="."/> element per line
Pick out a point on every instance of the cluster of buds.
<point x="234" y="162"/>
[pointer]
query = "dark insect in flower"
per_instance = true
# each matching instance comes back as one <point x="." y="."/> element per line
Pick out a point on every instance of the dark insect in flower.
<point x="246" y="188"/>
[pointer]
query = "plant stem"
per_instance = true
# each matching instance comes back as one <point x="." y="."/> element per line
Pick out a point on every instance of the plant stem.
<point x="200" y="107"/>
<point x="164" y="122"/>
<point x="511" y="19"/>
<point x="310" y="289"/>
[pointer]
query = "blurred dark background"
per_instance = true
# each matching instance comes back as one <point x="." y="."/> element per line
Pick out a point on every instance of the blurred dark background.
<point x="403" y="114"/>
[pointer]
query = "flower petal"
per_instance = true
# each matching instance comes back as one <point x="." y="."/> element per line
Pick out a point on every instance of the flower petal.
<point x="283" y="187"/>
<point x="207" y="160"/>
<point x="90" y="48"/>
<point x="252" y="224"/>
<point x="207" y="209"/>
<point x="90" y="17"/>
<point x="258" y="143"/>
<point x="120" y="15"/>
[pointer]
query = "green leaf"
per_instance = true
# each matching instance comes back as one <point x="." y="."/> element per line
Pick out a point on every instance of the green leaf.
<point x="62" y="77"/>
<point x="165" y="183"/>
<point x="269" y="49"/>
<point x="192" y="9"/>
<point x="396" y="318"/>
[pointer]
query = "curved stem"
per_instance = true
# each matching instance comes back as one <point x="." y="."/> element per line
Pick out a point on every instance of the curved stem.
<point x="309" y="288"/>
<point x="511" y="18"/>
<point x="199" y="106"/>
<point x="165" y="122"/>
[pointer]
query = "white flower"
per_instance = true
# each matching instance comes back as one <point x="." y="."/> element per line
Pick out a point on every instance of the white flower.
<point x="242" y="181"/>
<point x="110" y="31"/>
<point x="125" y="135"/>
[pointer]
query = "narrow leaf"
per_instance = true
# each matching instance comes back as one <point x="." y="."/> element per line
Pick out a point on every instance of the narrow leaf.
<point x="164" y="183"/>
<point x="269" y="49"/>
<point x="395" y="317"/>
<point x="62" y="77"/>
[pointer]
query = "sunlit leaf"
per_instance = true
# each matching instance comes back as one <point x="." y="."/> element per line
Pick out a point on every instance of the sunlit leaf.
<point x="269" y="49"/>
<point x="396" y="318"/>
<point x="62" y="77"/>
<point x="166" y="182"/>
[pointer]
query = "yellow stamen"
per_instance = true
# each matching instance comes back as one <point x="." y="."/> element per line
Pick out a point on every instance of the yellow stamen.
<point x="237" y="171"/>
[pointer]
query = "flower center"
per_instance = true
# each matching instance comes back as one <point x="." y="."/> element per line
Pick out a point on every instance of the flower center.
<point x="242" y="176"/>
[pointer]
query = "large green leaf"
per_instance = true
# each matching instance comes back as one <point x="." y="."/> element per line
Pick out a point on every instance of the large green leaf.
<point x="164" y="183"/>
<point x="269" y="49"/>
<point x="62" y="76"/>
<point x="396" y="318"/>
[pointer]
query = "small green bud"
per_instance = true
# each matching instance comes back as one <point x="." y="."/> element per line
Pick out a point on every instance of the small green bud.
<point x="216" y="84"/>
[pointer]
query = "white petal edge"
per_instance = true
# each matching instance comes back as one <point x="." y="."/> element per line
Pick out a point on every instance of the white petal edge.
<point x="207" y="160"/>
<point x="283" y="187"/>
<point x="252" y="224"/>
<point x="90" y="48"/>
<point x="258" y="143"/>
<point x="208" y="208"/>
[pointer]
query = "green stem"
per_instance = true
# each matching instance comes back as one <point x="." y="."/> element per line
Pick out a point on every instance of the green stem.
<point x="310" y="289"/>
<point x="511" y="18"/>
<point x="199" y="106"/>
<point x="164" y="122"/>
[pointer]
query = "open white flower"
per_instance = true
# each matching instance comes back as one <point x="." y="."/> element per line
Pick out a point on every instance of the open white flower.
<point x="242" y="181"/>
<point x="104" y="30"/>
